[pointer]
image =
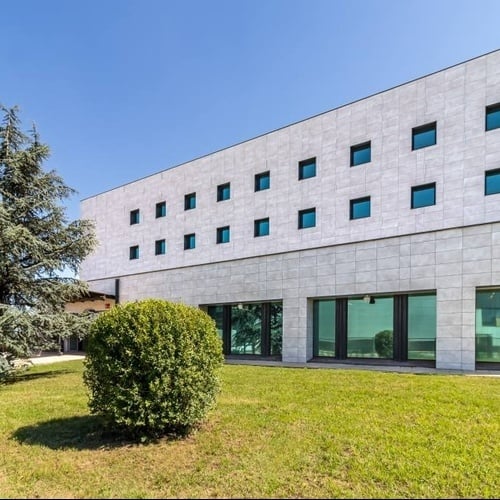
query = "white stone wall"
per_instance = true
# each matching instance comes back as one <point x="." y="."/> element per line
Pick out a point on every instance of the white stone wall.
<point x="452" y="262"/>
<point x="449" y="247"/>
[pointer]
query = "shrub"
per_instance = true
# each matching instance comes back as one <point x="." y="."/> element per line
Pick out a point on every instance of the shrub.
<point x="383" y="344"/>
<point x="151" y="367"/>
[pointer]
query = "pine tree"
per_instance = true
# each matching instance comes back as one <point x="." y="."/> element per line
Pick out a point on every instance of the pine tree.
<point x="39" y="248"/>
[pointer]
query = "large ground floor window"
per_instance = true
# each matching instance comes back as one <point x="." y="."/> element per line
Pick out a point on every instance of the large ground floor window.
<point x="488" y="325"/>
<point x="252" y="329"/>
<point x="394" y="327"/>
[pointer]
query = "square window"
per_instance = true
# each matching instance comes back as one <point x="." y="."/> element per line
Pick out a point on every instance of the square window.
<point x="307" y="168"/>
<point x="261" y="227"/>
<point x="190" y="201"/>
<point x="307" y="218"/>
<point x="423" y="136"/>
<point x="493" y="116"/>
<point x="360" y="208"/>
<point x="161" y="209"/>
<point x="134" y="252"/>
<point x="362" y="153"/>
<point x="262" y="181"/>
<point x="189" y="241"/>
<point x="492" y="181"/>
<point x="223" y="234"/>
<point x="224" y="192"/>
<point x="160" y="247"/>
<point x="134" y="216"/>
<point x="423" y="196"/>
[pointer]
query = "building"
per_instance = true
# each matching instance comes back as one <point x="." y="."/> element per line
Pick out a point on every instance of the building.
<point x="366" y="234"/>
<point x="87" y="302"/>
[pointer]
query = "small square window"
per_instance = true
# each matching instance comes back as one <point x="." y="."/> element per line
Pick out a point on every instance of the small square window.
<point x="134" y="252"/>
<point x="307" y="218"/>
<point x="360" y="208"/>
<point x="493" y="116"/>
<point x="492" y="182"/>
<point x="160" y="247"/>
<point x="261" y="227"/>
<point x="161" y="209"/>
<point x="189" y="241"/>
<point x="134" y="216"/>
<point x="423" y="136"/>
<point x="224" y="192"/>
<point x="262" y="181"/>
<point x="190" y="201"/>
<point x="307" y="168"/>
<point x="223" y="234"/>
<point x="362" y="153"/>
<point x="423" y="196"/>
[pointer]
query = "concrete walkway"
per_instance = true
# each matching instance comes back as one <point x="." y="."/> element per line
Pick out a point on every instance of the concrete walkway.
<point x="47" y="359"/>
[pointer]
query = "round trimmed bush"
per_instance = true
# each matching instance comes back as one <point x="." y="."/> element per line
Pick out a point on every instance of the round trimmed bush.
<point x="152" y="367"/>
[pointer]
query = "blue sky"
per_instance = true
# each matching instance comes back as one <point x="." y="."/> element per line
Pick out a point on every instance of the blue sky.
<point x="121" y="89"/>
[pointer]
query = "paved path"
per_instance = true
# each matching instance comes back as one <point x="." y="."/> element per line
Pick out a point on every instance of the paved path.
<point x="43" y="360"/>
<point x="46" y="359"/>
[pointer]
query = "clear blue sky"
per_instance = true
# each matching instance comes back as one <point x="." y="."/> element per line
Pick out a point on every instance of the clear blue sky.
<point x="120" y="89"/>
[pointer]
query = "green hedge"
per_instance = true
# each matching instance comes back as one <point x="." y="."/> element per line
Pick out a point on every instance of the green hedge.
<point x="152" y="367"/>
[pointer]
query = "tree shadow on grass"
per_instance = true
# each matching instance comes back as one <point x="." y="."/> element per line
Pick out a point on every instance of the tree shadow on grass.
<point x="77" y="433"/>
<point x="26" y="377"/>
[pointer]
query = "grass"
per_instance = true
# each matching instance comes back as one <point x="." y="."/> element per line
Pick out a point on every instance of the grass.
<point x="276" y="432"/>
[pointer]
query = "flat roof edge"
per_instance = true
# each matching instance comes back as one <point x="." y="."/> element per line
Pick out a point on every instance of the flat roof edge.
<point x="292" y="124"/>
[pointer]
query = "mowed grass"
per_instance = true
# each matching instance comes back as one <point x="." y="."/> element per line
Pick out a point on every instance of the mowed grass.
<point x="276" y="432"/>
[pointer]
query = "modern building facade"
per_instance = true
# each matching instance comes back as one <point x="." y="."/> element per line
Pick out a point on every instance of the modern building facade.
<point x="366" y="234"/>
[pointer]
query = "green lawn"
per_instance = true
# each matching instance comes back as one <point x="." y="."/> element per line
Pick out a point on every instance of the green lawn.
<point x="276" y="432"/>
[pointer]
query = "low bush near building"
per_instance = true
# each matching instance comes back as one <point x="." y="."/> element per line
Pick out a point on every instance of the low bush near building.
<point x="151" y="367"/>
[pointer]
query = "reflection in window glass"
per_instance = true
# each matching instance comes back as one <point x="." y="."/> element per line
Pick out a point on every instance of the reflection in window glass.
<point x="360" y="208"/>
<point x="493" y="117"/>
<point x="361" y="153"/>
<point x="423" y="196"/>
<point x="492" y="182"/>
<point x="370" y="327"/>
<point x="217" y="314"/>
<point x="246" y="328"/>
<point x="276" y="327"/>
<point x="424" y="136"/>
<point x="307" y="169"/>
<point x="422" y="327"/>
<point x="324" y="327"/>
<point x="488" y="325"/>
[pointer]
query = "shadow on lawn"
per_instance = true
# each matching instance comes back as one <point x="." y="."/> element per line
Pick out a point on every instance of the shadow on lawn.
<point x="78" y="433"/>
<point x="26" y="377"/>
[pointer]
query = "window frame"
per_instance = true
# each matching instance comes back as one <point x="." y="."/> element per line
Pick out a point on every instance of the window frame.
<point x="257" y="224"/>
<point x="190" y="199"/>
<point x="266" y="318"/>
<point x="421" y="129"/>
<point x="490" y="173"/>
<point x="303" y="164"/>
<point x="161" y="209"/>
<point x="220" y="235"/>
<point x="361" y="147"/>
<point x="352" y="204"/>
<point x="304" y="213"/>
<point x="221" y="190"/>
<point x="259" y="177"/>
<point x="492" y="108"/>
<point x="188" y="238"/>
<point x="340" y="322"/>
<point x="160" y="247"/>
<point x="135" y="216"/>
<point x="133" y="252"/>
<point x="419" y="188"/>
